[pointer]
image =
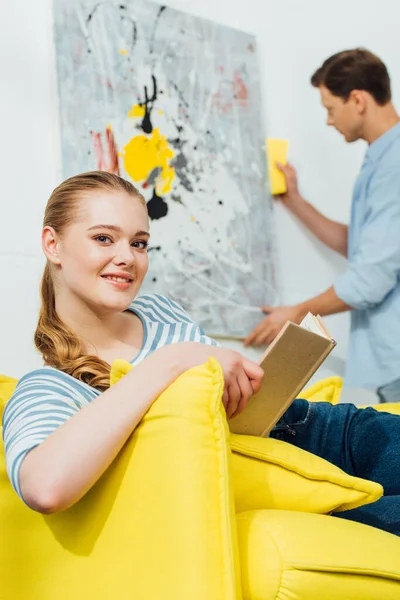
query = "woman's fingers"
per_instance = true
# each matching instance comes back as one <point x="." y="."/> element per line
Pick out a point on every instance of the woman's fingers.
<point x="254" y="373"/>
<point x="246" y="392"/>
<point x="234" y="397"/>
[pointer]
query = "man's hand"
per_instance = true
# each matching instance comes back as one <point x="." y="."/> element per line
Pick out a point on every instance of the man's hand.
<point x="292" y="194"/>
<point x="269" y="328"/>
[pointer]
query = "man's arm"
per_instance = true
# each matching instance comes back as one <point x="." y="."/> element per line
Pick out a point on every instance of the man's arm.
<point x="327" y="303"/>
<point x="331" y="233"/>
<point x="371" y="275"/>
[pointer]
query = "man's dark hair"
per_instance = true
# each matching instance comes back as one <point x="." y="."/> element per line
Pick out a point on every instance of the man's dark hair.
<point x="356" y="69"/>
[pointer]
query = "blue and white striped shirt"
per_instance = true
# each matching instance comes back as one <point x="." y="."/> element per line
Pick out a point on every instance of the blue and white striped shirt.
<point x="47" y="397"/>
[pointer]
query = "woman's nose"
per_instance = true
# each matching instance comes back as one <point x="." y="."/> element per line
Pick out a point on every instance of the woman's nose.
<point x="124" y="255"/>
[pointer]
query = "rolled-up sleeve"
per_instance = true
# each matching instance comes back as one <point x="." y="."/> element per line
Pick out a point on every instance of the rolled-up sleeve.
<point x="374" y="269"/>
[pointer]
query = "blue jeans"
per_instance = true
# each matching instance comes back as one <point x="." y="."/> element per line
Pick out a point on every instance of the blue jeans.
<point x="389" y="392"/>
<point x="362" y="442"/>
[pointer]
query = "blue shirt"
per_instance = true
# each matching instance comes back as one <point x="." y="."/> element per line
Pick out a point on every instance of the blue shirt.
<point x="371" y="283"/>
<point x="47" y="397"/>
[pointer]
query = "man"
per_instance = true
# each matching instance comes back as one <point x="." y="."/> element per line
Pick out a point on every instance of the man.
<point x="355" y="90"/>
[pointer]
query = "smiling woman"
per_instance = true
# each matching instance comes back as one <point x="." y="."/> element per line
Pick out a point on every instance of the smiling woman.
<point x="101" y="265"/>
<point x="64" y="424"/>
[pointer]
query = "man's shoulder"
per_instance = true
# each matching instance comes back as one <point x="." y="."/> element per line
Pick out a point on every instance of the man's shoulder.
<point x="390" y="160"/>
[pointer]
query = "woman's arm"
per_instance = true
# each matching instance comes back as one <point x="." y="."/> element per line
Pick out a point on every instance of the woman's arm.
<point x="58" y="472"/>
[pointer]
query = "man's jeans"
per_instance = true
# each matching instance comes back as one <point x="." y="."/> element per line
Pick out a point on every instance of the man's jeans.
<point x="389" y="392"/>
<point x="362" y="442"/>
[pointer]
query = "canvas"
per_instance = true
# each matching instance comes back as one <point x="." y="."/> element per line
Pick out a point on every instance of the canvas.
<point x="172" y="102"/>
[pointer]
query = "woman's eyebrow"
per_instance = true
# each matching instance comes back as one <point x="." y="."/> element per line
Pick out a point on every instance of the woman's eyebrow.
<point x="115" y="228"/>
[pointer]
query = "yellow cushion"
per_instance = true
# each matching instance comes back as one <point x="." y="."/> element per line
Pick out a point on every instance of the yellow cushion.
<point x="268" y="473"/>
<point x="265" y="470"/>
<point x="7" y="386"/>
<point x="272" y="474"/>
<point x="159" y="518"/>
<point x="325" y="390"/>
<point x="329" y="390"/>
<point x="119" y="368"/>
<point x="299" y="556"/>
<point x="390" y="407"/>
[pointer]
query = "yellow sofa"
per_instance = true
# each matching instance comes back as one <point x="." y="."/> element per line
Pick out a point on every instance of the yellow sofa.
<point x="171" y="519"/>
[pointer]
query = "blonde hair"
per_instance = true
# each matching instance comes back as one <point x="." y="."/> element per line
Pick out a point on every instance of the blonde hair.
<point x="59" y="345"/>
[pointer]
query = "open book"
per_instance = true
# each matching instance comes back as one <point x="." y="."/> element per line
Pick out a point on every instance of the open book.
<point x="288" y="363"/>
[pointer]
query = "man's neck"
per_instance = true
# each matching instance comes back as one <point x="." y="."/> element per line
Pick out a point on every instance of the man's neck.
<point x="380" y="120"/>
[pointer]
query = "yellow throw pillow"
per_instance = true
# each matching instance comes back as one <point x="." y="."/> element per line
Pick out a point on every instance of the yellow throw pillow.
<point x="7" y="387"/>
<point x="268" y="473"/>
<point x="119" y="368"/>
<point x="390" y="407"/>
<point x="325" y="390"/>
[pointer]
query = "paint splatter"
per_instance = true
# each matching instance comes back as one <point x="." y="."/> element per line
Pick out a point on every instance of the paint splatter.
<point x="147" y="105"/>
<point x="145" y="153"/>
<point x="157" y="207"/>
<point x="192" y="142"/>
<point x="137" y="110"/>
<point x="240" y="90"/>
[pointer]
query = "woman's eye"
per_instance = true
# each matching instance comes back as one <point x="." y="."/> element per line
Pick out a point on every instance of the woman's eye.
<point x="140" y="244"/>
<point x="103" y="239"/>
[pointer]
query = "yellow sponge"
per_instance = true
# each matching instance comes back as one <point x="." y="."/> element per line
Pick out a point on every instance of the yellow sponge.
<point x="276" y="152"/>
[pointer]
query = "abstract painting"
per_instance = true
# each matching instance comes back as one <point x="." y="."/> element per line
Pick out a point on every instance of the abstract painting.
<point x="172" y="102"/>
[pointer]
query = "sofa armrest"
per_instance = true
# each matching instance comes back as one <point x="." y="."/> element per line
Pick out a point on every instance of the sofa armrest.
<point x="158" y="525"/>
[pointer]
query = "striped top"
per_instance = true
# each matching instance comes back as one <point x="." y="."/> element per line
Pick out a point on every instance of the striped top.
<point x="46" y="398"/>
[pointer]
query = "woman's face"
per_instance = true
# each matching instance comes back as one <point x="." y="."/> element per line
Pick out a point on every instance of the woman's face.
<point x="101" y="258"/>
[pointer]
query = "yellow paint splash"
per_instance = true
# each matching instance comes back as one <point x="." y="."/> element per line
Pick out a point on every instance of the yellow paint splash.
<point x="123" y="51"/>
<point x="137" y="110"/>
<point x="145" y="153"/>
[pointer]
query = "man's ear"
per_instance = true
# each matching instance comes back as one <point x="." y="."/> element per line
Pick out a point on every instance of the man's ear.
<point x="51" y="245"/>
<point x="360" y="100"/>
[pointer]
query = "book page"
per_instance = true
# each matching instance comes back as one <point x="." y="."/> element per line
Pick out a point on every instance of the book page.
<point x="315" y="325"/>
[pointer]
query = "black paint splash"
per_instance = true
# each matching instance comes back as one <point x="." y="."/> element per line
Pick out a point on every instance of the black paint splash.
<point x="153" y="35"/>
<point x="148" y="104"/>
<point x="157" y="207"/>
<point x="90" y="15"/>
<point x="123" y="16"/>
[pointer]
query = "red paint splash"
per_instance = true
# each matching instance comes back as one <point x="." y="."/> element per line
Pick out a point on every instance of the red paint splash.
<point x="106" y="160"/>
<point x="240" y="90"/>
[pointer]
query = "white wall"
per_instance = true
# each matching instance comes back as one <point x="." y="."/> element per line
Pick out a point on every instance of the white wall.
<point x="293" y="38"/>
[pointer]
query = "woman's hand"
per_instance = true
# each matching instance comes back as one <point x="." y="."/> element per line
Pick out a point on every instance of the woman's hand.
<point x="53" y="475"/>
<point x="242" y="376"/>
